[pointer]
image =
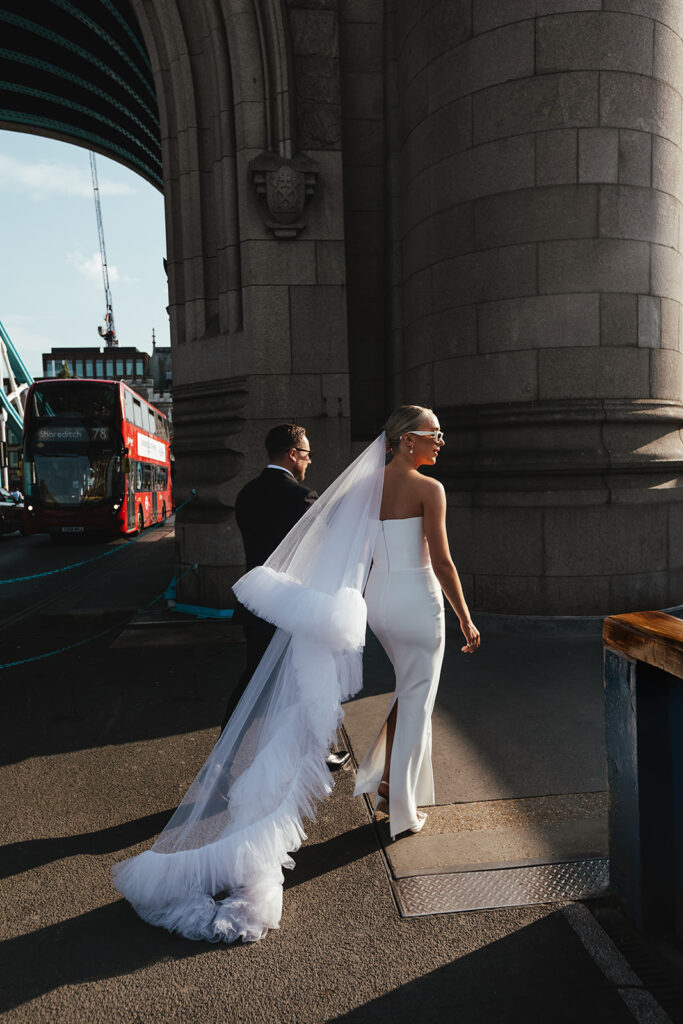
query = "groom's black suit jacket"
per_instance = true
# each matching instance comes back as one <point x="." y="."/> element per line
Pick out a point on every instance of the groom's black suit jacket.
<point x="266" y="509"/>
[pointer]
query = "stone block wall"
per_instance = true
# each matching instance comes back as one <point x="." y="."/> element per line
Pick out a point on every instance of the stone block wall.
<point x="539" y="218"/>
<point x="495" y="231"/>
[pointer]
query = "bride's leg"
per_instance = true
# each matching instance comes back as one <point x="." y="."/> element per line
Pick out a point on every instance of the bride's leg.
<point x="375" y="765"/>
<point x="383" y="788"/>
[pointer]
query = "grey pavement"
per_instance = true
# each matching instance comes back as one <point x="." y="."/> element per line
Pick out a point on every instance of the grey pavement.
<point x="98" y="746"/>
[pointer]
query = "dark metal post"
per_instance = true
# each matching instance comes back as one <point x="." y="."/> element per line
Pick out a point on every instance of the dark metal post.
<point x="644" y="727"/>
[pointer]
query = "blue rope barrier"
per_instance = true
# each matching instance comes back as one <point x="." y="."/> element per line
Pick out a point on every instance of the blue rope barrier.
<point x="50" y="654"/>
<point x="88" y="639"/>
<point x="95" y="558"/>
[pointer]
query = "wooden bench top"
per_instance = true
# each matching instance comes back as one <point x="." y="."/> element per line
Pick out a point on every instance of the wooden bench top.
<point x="652" y="637"/>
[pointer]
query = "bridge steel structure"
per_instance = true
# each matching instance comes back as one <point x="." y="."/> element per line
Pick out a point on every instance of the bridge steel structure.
<point x="15" y="380"/>
<point x="461" y="203"/>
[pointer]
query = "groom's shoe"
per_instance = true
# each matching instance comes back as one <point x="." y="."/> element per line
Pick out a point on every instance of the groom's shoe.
<point x="337" y="759"/>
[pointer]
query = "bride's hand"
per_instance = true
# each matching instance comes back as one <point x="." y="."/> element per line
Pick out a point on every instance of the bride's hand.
<point x="472" y="635"/>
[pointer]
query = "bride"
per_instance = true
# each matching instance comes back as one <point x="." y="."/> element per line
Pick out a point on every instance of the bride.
<point x="411" y="567"/>
<point x="215" y="872"/>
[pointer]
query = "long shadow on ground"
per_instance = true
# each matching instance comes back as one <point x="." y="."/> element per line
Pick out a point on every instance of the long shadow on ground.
<point x="102" y="943"/>
<point x="16" y="858"/>
<point x="95" y="696"/>
<point x="317" y="859"/>
<point x="541" y="972"/>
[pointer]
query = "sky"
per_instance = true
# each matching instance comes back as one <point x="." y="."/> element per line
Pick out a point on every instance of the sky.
<point x="51" y="290"/>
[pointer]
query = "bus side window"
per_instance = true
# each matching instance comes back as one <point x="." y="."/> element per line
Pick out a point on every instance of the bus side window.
<point x="147" y="477"/>
<point x="137" y="409"/>
<point x="128" y="400"/>
<point x="152" y="425"/>
<point x="138" y="477"/>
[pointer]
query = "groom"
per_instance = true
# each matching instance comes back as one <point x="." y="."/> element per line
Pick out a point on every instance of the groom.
<point x="266" y="509"/>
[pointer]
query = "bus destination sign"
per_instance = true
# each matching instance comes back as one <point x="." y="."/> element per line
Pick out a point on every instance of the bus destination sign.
<point x="51" y="435"/>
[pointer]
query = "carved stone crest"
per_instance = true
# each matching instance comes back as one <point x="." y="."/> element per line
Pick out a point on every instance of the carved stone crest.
<point x="285" y="188"/>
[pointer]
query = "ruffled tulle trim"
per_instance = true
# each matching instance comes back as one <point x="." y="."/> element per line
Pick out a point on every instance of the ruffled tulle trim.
<point x="335" y="621"/>
<point x="176" y="890"/>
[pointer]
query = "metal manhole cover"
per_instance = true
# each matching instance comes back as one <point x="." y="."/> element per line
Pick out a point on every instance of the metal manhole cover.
<point x="502" y="887"/>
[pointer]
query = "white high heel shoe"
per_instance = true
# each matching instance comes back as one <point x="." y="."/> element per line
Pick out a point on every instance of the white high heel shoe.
<point x="421" y="818"/>
<point x="382" y="804"/>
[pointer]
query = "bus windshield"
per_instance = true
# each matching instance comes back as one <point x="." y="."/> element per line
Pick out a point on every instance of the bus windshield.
<point x="74" y="399"/>
<point x="75" y="479"/>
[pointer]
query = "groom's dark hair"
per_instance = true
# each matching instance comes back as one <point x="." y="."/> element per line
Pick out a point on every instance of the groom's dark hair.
<point x="281" y="438"/>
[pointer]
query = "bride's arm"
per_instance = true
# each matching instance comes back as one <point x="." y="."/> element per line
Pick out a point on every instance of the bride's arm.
<point x="434" y="510"/>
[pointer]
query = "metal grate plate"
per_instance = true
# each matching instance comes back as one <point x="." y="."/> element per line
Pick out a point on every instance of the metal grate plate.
<point x="502" y="887"/>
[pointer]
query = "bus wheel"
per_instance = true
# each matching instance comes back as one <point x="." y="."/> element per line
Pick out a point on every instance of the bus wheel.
<point x="163" y="512"/>
<point x="141" y="520"/>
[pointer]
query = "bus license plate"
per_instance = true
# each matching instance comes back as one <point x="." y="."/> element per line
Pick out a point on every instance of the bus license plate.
<point x="73" y="529"/>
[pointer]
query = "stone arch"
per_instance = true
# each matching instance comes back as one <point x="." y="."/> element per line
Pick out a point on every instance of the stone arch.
<point x="223" y="77"/>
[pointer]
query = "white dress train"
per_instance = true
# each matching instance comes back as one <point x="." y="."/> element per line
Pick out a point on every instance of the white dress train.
<point x="215" y="872"/>
<point x="406" y="614"/>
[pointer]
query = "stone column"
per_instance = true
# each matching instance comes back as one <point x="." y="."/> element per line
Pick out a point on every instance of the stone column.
<point x="539" y="223"/>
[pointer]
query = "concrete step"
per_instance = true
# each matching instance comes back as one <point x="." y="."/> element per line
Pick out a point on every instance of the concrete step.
<point x="502" y="833"/>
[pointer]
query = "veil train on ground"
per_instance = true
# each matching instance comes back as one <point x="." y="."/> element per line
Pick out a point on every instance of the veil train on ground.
<point x="215" y="872"/>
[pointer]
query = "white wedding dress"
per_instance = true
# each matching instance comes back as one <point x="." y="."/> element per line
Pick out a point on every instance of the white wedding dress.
<point x="406" y="614"/>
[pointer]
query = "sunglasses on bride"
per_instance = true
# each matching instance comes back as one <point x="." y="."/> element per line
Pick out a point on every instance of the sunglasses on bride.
<point x="436" y="434"/>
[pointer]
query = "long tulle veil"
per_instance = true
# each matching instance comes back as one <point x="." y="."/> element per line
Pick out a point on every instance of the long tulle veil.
<point x="215" y="872"/>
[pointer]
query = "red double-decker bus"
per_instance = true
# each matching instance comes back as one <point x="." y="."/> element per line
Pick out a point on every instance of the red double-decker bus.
<point x="96" y="458"/>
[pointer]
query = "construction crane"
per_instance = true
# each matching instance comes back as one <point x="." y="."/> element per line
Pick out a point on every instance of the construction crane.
<point x="107" y="332"/>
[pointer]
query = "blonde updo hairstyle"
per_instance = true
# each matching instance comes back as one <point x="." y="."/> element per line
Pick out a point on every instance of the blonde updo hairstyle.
<point x="402" y="421"/>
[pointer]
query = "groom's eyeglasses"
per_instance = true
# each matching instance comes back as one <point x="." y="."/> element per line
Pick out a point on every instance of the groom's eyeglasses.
<point x="436" y="434"/>
<point x="304" y="451"/>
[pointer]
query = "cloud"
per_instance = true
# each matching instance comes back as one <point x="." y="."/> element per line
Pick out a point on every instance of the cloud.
<point x="91" y="268"/>
<point x="45" y="180"/>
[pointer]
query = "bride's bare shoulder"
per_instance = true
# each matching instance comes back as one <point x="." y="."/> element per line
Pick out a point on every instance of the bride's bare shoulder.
<point x="430" y="487"/>
<point x="432" y="494"/>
